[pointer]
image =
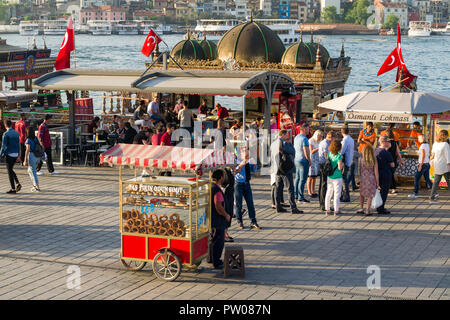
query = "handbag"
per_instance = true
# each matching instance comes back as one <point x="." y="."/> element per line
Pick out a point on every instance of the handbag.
<point x="377" y="201"/>
<point x="38" y="149"/>
<point x="286" y="162"/>
<point x="328" y="168"/>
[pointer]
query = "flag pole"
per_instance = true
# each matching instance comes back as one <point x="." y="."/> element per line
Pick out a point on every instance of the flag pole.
<point x="74" y="48"/>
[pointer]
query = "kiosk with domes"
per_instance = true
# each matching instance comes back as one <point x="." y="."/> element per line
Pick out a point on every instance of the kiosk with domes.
<point x="252" y="46"/>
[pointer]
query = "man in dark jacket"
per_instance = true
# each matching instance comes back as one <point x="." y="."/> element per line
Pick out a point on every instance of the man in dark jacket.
<point x="219" y="219"/>
<point x="130" y="133"/>
<point x="10" y="149"/>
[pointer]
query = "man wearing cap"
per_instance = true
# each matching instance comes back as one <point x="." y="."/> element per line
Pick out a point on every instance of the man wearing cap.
<point x="385" y="163"/>
<point x="46" y="143"/>
<point x="20" y="127"/>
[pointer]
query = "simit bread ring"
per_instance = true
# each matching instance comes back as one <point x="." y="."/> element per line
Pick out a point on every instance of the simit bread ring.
<point x="126" y="228"/>
<point x="142" y="230"/>
<point x="174" y="224"/>
<point x="174" y="217"/>
<point x="171" y="232"/>
<point x="181" y="224"/>
<point x="158" y="224"/>
<point x="153" y="217"/>
<point x="162" y="231"/>
<point x="166" y="225"/>
<point x="134" y="214"/>
<point x="134" y="229"/>
<point x="151" y="230"/>
<point x="138" y="222"/>
<point x="163" y="218"/>
<point x="180" y="232"/>
<point x="126" y="215"/>
<point x="130" y="222"/>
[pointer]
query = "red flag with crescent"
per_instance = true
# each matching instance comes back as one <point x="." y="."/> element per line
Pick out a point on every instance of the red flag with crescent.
<point x="392" y="61"/>
<point x="68" y="45"/>
<point x="150" y="43"/>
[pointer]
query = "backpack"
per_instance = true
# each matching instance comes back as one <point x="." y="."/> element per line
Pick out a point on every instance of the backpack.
<point x="328" y="168"/>
<point x="286" y="163"/>
<point x="38" y="149"/>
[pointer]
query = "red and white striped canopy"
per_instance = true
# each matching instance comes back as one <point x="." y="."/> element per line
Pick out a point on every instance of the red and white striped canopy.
<point x="166" y="157"/>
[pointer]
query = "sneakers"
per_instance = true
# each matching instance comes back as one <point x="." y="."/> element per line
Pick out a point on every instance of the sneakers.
<point x="39" y="173"/>
<point x="434" y="201"/>
<point x="304" y="200"/>
<point x="241" y="225"/>
<point x="55" y="172"/>
<point x="281" y="210"/>
<point x="11" y="191"/>
<point x="34" y="189"/>
<point x="18" y="187"/>
<point x="413" y="196"/>
<point x="296" y="211"/>
<point x="255" y="226"/>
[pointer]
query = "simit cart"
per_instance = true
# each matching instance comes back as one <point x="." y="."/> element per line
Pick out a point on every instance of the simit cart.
<point x="164" y="220"/>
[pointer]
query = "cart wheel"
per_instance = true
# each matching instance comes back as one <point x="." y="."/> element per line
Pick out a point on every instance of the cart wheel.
<point x="167" y="266"/>
<point x="133" y="265"/>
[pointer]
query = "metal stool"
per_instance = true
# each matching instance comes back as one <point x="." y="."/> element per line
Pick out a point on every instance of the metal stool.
<point x="70" y="150"/>
<point x="91" y="156"/>
<point x="234" y="261"/>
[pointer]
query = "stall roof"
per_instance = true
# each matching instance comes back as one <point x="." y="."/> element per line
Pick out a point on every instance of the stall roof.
<point x="186" y="82"/>
<point x="166" y="157"/>
<point x="410" y="103"/>
<point x="16" y="96"/>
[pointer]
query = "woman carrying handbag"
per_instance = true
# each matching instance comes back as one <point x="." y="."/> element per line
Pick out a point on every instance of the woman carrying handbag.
<point x="32" y="158"/>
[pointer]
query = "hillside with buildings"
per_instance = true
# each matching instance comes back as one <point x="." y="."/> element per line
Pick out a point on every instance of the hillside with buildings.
<point x="374" y="14"/>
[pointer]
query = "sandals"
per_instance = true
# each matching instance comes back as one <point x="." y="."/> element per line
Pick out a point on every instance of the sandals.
<point x="367" y="213"/>
<point x="360" y="211"/>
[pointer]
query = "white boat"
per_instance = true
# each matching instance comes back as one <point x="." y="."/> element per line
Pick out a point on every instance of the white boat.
<point x="29" y="28"/>
<point x="214" y="29"/>
<point x="442" y="31"/>
<point x="125" y="28"/>
<point x="99" y="28"/>
<point x="285" y="28"/>
<point x="55" y="27"/>
<point x="419" y="29"/>
<point x="145" y="26"/>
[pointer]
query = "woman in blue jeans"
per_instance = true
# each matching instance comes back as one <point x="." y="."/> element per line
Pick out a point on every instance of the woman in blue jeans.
<point x="30" y="159"/>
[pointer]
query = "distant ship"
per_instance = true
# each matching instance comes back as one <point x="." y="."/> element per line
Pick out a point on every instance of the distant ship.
<point x="125" y="28"/>
<point x="419" y="29"/>
<point x="160" y="29"/>
<point x="99" y="28"/>
<point x="55" y="27"/>
<point x="214" y="29"/>
<point x="442" y="31"/>
<point x="29" y="28"/>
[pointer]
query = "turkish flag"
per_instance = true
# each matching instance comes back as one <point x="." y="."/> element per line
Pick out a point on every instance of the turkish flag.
<point x="402" y="66"/>
<point x="150" y="43"/>
<point x="68" y="45"/>
<point x="392" y="61"/>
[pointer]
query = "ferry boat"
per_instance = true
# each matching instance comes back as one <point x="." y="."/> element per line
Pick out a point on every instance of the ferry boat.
<point x="145" y="26"/>
<point x="29" y="28"/>
<point x="99" y="28"/>
<point x="214" y="29"/>
<point x="419" y="29"/>
<point x="442" y="31"/>
<point x="55" y="27"/>
<point x="125" y="28"/>
<point x="285" y="28"/>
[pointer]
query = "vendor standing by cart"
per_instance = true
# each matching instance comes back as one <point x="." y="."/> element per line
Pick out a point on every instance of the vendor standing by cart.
<point x="219" y="219"/>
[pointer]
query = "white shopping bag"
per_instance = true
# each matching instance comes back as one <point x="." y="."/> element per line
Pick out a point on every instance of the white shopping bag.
<point x="377" y="201"/>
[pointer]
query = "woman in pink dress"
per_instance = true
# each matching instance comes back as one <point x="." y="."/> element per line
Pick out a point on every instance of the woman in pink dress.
<point x="368" y="175"/>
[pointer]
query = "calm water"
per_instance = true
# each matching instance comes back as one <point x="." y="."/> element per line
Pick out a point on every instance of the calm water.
<point x="429" y="58"/>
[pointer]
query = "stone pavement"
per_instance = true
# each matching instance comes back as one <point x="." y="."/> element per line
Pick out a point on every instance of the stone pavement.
<point x="74" y="221"/>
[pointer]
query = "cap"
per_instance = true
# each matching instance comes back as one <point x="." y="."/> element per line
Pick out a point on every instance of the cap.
<point x="385" y="139"/>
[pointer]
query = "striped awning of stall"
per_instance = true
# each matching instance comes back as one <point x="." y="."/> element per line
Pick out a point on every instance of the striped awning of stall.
<point x="166" y="157"/>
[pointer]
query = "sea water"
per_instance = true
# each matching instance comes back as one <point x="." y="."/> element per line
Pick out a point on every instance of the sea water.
<point x="429" y="57"/>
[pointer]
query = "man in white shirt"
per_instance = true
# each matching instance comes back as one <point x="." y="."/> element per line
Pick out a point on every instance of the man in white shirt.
<point x="153" y="110"/>
<point x="348" y="146"/>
